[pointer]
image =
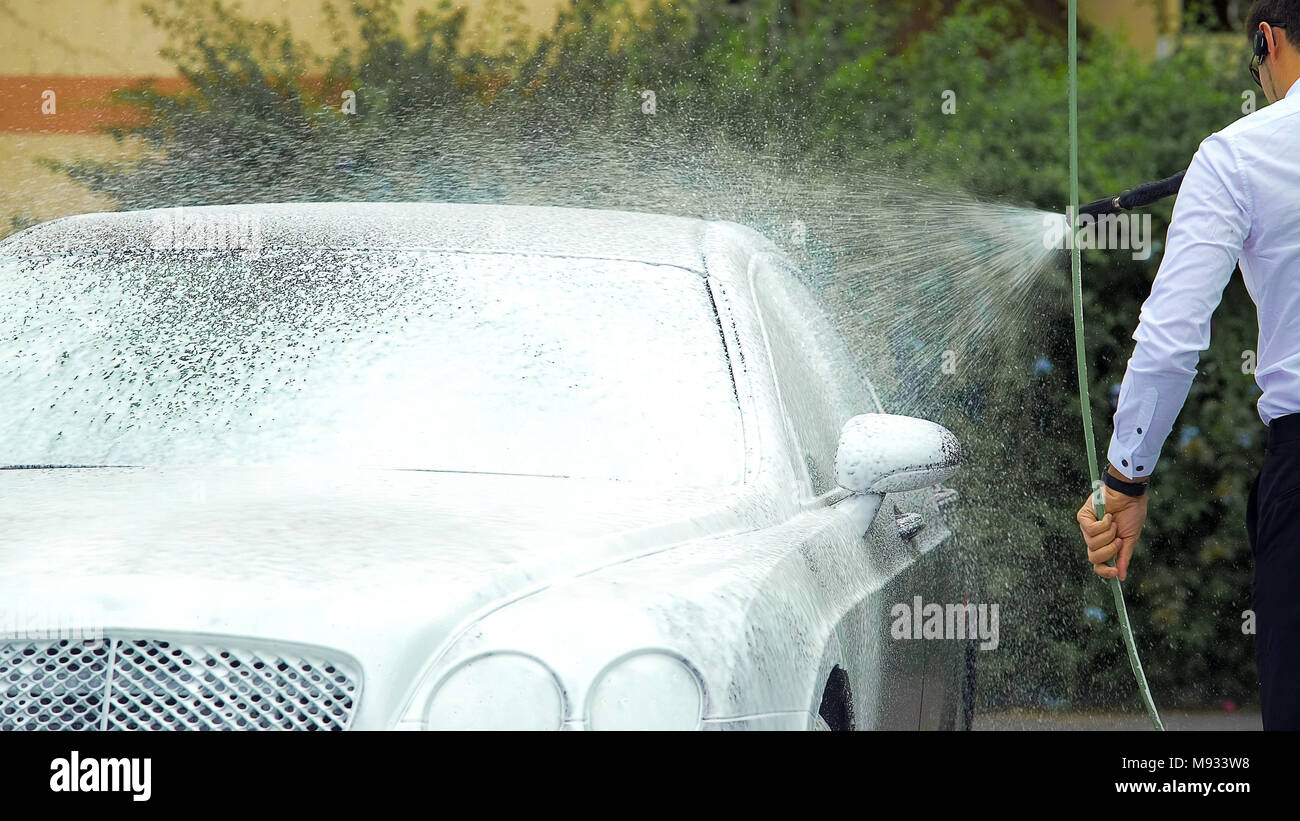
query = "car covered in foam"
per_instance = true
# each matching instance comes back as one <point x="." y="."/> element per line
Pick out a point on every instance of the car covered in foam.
<point x="437" y="466"/>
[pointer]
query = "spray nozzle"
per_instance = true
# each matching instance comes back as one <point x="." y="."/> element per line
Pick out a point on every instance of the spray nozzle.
<point x="1139" y="197"/>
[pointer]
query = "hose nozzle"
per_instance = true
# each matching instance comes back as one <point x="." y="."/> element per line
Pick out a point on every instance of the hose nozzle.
<point x="1139" y="197"/>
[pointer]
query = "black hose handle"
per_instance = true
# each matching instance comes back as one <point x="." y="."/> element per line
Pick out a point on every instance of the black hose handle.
<point x="1139" y="197"/>
<point x="1144" y="195"/>
<point x="1110" y="205"/>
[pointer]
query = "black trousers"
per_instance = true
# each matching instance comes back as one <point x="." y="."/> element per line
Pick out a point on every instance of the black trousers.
<point x="1273" y="522"/>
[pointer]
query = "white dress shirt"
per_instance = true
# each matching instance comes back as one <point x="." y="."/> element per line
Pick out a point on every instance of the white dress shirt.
<point x="1240" y="201"/>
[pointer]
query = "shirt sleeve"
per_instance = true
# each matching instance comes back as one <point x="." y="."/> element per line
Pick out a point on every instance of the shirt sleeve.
<point x="1209" y="227"/>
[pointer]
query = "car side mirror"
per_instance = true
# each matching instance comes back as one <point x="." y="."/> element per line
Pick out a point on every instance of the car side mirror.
<point x="884" y="453"/>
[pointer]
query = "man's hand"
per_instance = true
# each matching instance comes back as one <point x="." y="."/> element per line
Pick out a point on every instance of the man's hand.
<point x="1116" y="534"/>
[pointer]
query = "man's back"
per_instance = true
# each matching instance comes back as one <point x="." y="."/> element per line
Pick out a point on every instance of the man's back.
<point x="1265" y="148"/>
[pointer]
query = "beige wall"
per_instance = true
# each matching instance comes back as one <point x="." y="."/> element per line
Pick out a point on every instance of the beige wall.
<point x="115" y="38"/>
<point x="78" y="37"/>
<point x="1147" y="25"/>
<point x="83" y="49"/>
<point x="31" y="192"/>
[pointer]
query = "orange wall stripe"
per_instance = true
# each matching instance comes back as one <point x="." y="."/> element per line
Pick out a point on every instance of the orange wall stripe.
<point x="82" y="105"/>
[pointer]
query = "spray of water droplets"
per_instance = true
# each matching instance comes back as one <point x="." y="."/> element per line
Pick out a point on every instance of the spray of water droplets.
<point x="924" y="282"/>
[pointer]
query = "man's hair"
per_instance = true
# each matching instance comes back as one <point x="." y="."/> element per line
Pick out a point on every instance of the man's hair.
<point x="1281" y="13"/>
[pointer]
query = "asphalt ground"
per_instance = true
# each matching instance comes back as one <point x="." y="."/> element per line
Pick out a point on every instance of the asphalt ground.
<point x="1245" y="719"/>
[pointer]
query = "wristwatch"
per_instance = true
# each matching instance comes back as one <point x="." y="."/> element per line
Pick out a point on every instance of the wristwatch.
<point x="1127" y="488"/>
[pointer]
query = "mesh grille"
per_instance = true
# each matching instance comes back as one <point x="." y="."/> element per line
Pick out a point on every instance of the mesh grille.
<point x="136" y="684"/>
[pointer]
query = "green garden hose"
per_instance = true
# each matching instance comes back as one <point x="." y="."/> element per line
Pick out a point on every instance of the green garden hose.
<point x="1085" y="405"/>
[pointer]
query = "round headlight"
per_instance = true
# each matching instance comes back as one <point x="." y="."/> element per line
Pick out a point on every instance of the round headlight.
<point x="499" y="691"/>
<point x="647" y="691"/>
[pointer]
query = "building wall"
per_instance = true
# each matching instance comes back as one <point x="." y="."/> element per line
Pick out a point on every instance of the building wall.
<point x="1147" y="25"/>
<point x="106" y="38"/>
<point x="81" y="50"/>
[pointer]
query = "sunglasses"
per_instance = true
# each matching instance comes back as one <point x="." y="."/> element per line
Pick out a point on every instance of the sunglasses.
<point x="1260" y="54"/>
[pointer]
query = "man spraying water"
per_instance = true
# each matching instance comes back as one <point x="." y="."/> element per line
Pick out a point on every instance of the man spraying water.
<point x="1239" y="203"/>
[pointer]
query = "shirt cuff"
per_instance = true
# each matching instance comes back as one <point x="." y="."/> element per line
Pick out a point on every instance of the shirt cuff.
<point x="1132" y="463"/>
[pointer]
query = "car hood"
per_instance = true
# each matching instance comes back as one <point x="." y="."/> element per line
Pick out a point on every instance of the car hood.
<point x="383" y="565"/>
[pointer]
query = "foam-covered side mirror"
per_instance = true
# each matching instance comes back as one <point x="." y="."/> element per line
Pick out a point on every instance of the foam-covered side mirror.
<point x="884" y="453"/>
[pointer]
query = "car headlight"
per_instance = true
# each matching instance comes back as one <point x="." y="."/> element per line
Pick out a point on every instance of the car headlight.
<point x="647" y="691"/>
<point x="498" y="691"/>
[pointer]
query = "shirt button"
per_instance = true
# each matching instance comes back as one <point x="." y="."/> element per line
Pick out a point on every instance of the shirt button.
<point x="1124" y="462"/>
<point x="1139" y="430"/>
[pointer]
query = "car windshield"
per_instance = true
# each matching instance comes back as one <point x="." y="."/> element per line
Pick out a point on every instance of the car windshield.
<point x="482" y="362"/>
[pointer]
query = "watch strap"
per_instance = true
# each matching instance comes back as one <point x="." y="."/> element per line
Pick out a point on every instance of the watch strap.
<point x="1127" y="488"/>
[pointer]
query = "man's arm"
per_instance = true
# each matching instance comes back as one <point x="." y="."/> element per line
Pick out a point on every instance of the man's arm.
<point x="1210" y="223"/>
<point x="1209" y="227"/>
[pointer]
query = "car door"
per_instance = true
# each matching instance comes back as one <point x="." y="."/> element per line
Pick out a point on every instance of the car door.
<point x="882" y="676"/>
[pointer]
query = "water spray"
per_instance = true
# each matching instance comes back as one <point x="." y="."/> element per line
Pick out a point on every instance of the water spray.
<point x="1085" y="406"/>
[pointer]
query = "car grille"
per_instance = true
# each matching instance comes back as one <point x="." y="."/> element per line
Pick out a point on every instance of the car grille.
<point x="140" y="684"/>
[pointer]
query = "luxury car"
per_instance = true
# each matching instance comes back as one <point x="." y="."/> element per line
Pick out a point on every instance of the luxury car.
<point x="439" y="466"/>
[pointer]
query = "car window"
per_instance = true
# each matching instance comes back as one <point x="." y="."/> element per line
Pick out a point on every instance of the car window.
<point x="448" y="361"/>
<point x="820" y="385"/>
